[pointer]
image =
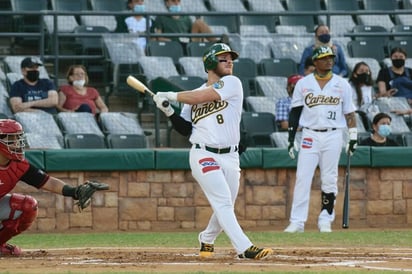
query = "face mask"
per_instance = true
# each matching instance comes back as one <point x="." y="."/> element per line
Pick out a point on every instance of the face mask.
<point x="139" y="8"/>
<point x="33" y="75"/>
<point x="324" y="38"/>
<point x="175" y="8"/>
<point x="362" y="78"/>
<point x="79" y="83"/>
<point x="384" y="130"/>
<point x="398" y="63"/>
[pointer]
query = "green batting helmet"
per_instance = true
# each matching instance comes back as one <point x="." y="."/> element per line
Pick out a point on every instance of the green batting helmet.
<point x="210" y="60"/>
<point x="321" y="52"/>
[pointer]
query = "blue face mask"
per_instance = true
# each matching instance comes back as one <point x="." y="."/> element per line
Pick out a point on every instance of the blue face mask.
<point x="175" y="8"/>
<point x="324" y="38"/>
<point x="384" y="130"/>
<point x="139" y="8"/>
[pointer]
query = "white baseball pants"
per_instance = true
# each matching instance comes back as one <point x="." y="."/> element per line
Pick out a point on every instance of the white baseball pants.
<point x="316" y="148"/>
<point x="218" y="175"/>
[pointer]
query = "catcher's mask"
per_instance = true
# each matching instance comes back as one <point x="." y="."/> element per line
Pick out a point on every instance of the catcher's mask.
<point x="210" y="60"/>
<point x="11" y="139"/>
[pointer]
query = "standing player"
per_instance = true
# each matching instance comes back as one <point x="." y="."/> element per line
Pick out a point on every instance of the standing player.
<point x="211" y="116"/>
<point x="18" y="211"/>
<point x="321" y="102"/>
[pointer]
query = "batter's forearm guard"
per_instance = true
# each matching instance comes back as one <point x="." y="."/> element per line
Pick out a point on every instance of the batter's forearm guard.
<point x="181" y="125"/>
<point x="294" y="117"/>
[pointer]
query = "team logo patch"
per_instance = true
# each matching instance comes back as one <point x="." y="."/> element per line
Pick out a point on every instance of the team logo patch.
<point x="208" y="164"/>
<point x="307" y="142"/>
<point x="219" y="84"/>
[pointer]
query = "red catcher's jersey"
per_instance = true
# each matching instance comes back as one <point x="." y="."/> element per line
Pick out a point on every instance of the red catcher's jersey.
<point x="11" y="174"/>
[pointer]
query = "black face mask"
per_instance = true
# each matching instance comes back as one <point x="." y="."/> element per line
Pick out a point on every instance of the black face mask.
<point x="324" y="38"/>
<point x="398" y="63"/>
<point x="33" y="75"/>
<point x="362" y="78"/>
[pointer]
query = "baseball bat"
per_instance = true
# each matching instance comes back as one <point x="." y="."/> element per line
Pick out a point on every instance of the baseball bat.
<point x="345" y="216"/>
<point x="140" y="87"/>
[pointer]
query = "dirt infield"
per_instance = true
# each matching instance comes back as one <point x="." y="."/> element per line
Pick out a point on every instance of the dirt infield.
<point x="176" y="260"/>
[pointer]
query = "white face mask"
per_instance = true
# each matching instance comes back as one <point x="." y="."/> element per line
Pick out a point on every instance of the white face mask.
<point x="79" y="83"/>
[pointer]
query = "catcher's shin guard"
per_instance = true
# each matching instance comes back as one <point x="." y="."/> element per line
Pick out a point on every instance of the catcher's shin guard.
<point x="14" y="226"/>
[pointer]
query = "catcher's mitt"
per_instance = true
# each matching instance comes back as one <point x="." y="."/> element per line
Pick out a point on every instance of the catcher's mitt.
<point x="85" y="192"/>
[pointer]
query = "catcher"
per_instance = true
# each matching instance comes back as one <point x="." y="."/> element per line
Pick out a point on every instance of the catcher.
<point x="18" y="211"/>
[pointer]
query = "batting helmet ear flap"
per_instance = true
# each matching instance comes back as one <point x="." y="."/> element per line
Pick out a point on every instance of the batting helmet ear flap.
<point x="210" y="62"/>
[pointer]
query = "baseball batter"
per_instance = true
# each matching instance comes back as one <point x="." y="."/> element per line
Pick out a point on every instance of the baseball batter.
<point x="211" y="116"/>
<point x="18" y="211"/>
<point x="322" y="105"/>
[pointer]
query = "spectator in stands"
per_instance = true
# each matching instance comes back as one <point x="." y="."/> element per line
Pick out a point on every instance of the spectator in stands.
<point x="309" y="66"/>
<point x="137" y="23"/>
<point x="76" y="96"/>
<point x="381" y="129"/>
<point x="180" y="24"/>
<point x="283" y="104"/>
<point x="322" y="38"/>
<point x="362" y="85"/>
<point x="32" y="93"/>
<point x="396" y="80"/>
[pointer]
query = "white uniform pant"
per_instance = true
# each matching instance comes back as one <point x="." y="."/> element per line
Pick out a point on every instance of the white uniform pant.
<point x="316" y="148"/>
<point x="218" y="175"/>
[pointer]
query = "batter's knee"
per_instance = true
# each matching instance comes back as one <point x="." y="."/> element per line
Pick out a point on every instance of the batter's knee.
<point x="329" y="183"/>
<point x="328" y="202"/>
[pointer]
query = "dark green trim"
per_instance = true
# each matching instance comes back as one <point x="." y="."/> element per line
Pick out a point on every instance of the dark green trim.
<point x="391" y="157"/>
<point x="251" y="158"/>
<point x="36" y="158"/>
<point x="361" y="157"/>
<point x="172" y="159"/>
<point x="99" y="159"/>
<point x="277" y="157"/>
<point x="178" y="159"/>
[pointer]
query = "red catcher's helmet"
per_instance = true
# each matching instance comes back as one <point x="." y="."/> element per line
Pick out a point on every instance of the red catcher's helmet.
<point x="11" y="139"/>
<point x="293" y="79"/>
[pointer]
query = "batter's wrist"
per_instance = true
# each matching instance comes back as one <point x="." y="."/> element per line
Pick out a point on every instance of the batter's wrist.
<point x="353" y="133"/>
<point x="171" y="96"/>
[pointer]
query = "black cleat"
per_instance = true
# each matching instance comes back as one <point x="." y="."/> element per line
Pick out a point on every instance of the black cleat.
<point x="256" y="253"/>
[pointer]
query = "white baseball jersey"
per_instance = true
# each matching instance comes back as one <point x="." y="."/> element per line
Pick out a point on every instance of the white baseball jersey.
<point x="323" y="108"/>
<point x="217" y="123"/>
<point x="367" y="95"/>
<point x="136" y="26"/>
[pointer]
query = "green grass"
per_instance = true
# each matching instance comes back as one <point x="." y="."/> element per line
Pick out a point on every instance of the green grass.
<point x="387" y="238"/>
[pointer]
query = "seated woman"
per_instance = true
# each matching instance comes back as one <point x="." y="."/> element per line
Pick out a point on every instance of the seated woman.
<point x="396" y="80"/>
<point x="76" y="96"/>
<point x="362" y="85"/>
<point x="381" y="129"/>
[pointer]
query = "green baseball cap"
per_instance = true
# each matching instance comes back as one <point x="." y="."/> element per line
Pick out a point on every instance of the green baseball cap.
<point x="321" y="52"/>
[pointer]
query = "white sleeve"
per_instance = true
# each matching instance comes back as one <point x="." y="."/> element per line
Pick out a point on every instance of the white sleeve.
<point x="228" y="86"/>
<point x="297" y="97"/>
<point x="186" y="112"/>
